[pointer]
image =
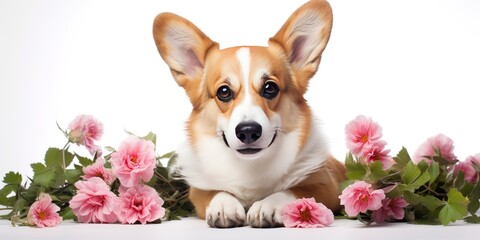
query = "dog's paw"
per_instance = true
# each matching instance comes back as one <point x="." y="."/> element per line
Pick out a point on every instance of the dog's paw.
<point x="268" y="212"/>
<point x="225" y="211"/>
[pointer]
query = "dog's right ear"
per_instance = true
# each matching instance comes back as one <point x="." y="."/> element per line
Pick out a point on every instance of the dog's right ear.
<point x="184" y="48"/>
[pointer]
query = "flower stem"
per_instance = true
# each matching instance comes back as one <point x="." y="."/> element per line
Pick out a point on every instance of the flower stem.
<point x="63" y="156"/>
<point x="163" y="179"/>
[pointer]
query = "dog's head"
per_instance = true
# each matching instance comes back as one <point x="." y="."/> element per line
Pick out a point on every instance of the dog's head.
<point x="247" y="96"/>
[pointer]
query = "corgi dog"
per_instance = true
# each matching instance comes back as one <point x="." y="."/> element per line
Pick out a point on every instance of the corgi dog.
<point x="252" y="143"/>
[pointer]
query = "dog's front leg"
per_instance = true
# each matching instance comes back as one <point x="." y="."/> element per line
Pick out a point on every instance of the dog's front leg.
<point x="268" y="212"/>
<point x="220" y="209"/>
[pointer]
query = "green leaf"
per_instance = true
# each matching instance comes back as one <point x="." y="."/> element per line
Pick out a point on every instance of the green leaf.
<point x="423" y="166"/>
<point x="130" y="133"/>
<point x="13" y="178"/>
<point x="83" y="160"/>
<point x="54" y="157"/>
<point x="32" y="192"/>
<point x="345" y="184"/>
<point x="355" y="170"/>
<point x="402" y="158"/>
<point x="43" y="176"/>
<point x="476" y="166"/>
<point x="4" y="199"/>
<point x="396" y="191"/>
<point x="12" y="182"/>
<point x="473" y="206"/>
<point x="431" y="202"/>
<point x="110" y="148"/>
<point x="151" y="137"/>
<point x="168" y="155"/>
<point x="476" y="191"/>
<point x="433" y="171"/>
<point x="67" y="214"/>
<point x="459" y="180"/>
<point x="472" y="219"/>
<point x="466" y="189"/>
<point x="455" y="209"/>
<point x="162" y="172"/>
<point x="442" y="161"/>
<point x="172" y="161"/>
<point x="7" y="216"/>
<point x="73" y="175"/>
<point x="424" y="178"/>
<point x="411" y="172"/>
<point x="474" y="196"/>
<point x="60" y="176"/>
<point x="376" y="171"/>
<point x="411" y="198"/>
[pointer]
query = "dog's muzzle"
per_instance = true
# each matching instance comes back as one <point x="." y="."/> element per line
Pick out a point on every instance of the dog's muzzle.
<point x="248" y="133"/>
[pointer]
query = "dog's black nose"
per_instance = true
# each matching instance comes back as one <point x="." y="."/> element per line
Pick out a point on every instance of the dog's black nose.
<point x="248" y="132"/>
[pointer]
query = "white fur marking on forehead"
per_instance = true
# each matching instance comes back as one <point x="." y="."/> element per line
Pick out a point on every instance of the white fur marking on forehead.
<point x="243" y="56"/>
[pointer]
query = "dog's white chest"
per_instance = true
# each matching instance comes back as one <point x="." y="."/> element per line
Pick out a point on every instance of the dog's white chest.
<point x="212" y="166"/>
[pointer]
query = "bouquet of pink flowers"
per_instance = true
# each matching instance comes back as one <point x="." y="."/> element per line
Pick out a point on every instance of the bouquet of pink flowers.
<point x="129" y="185"/>
<point x="433" y="187"/>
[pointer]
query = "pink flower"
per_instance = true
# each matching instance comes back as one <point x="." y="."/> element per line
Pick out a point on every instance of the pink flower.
<point x="94" y="202"/>
<point x="98" y="169"/>
<point x="306" y="213"/>
<point x="84" y="130"/>
<point x="360" y="197"/>
<point x="376" y="152"/>
<point x="439" y="145"/>
<point x="43" y="213"/>
<point x="140" y="203"/>
<point x="392" y="208"/>
<point x="361" y="131"/>
<point x="471" y="175"/>
<point x="134" y="161"/>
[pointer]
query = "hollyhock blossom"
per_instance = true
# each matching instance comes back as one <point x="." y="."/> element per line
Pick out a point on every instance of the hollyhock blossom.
<point x="471" y="175"/>
<point x="84" y="130"/>
<point x="94" y="202"/>
<point x="392" y="209"/>
<point x="306" y="213"/>
<point x="43" y="213"/>
<point x="360" y="197"/>
<point x="376" y="152"/>
<point x="134" y="161"/>
<point x="98" y="169"/>
<point x="361" y="131"/>
<point x="434" y="146"/>
<point x="140" y="203"/>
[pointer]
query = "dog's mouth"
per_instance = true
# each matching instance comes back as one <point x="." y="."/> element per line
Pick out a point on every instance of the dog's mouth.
<point x="248" y="151"/>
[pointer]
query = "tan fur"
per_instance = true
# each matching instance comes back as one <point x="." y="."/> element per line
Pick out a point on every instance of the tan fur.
<point x="323" y="185"/>
<point x="201" y="199"/>
<point x="304" y="70"/>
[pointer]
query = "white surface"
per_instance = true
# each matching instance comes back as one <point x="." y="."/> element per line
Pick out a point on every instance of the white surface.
<point x="192" y="228"/>
<point x="411" y="65"/>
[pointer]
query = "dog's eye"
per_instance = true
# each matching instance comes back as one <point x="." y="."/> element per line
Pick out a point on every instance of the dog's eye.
<point x="224" y="94"/>
<point x="270" y="90"/>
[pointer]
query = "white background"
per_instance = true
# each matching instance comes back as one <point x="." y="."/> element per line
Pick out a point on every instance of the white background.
<point x="412" y="65"/>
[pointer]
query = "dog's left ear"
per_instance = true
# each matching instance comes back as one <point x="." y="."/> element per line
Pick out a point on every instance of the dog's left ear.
<point x="303" y="38"/>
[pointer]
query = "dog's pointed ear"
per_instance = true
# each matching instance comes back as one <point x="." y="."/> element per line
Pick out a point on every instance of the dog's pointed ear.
<point x="184" y="48"/>
<point x="303" y="38"/>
